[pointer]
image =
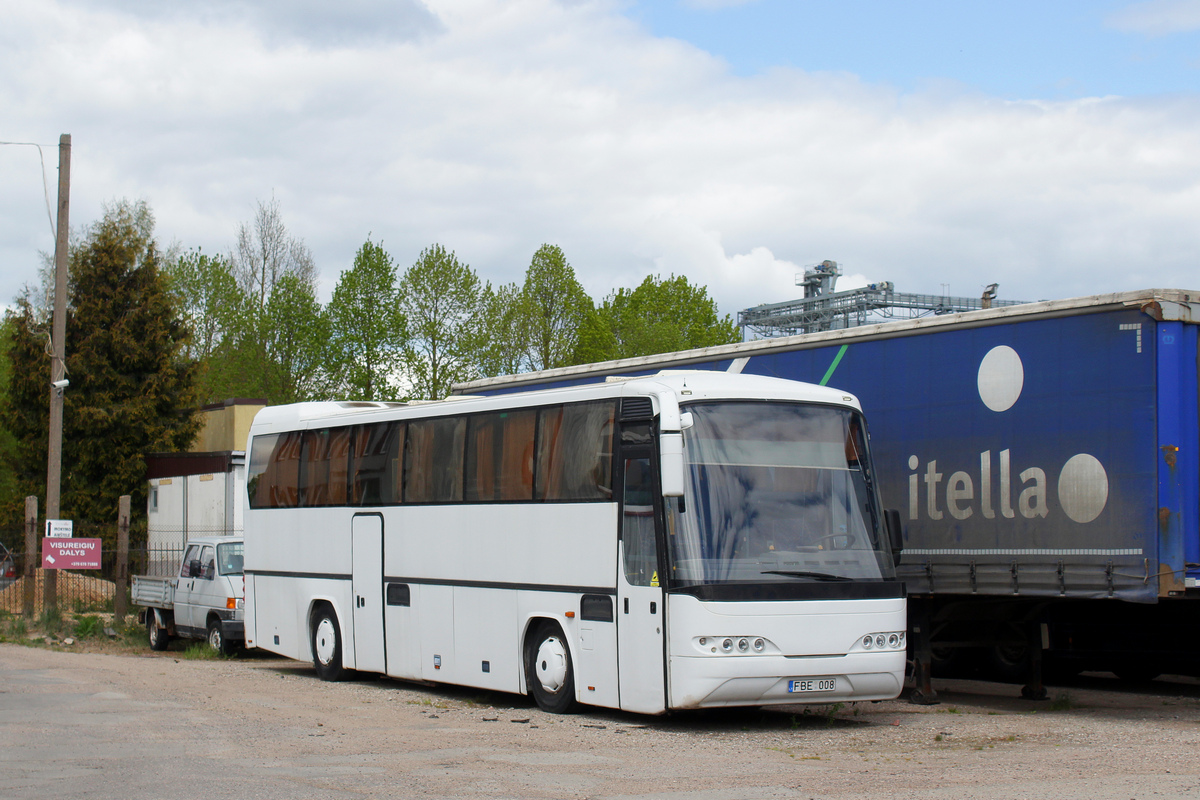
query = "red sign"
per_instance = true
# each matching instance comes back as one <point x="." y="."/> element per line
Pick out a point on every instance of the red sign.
<point x="70" y="553"/>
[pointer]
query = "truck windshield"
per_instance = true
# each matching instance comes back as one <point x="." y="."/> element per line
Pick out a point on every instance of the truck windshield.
<point x="229" y="558"/>
<point x="775" y="492"/>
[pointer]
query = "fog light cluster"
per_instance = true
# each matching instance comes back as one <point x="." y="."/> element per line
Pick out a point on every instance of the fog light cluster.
<point x="891" y="640"/>
<point x="733" y="645"/>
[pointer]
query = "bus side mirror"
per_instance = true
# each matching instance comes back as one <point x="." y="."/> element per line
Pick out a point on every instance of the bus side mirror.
<point x="671" y="464"/>
<point x="891" y="520"/>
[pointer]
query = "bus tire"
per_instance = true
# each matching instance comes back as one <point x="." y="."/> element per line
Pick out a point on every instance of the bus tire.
<point x="327" y="645"/>
<point x="158" y="637"/>
<point x="548" y="669"/>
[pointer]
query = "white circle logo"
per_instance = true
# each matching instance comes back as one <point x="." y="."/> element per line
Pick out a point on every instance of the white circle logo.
<point x="1083" y="487"/>
<point x="1001" y="378"/>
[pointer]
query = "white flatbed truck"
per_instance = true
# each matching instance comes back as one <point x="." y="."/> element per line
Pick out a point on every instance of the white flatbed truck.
<point x="203" y="600"/>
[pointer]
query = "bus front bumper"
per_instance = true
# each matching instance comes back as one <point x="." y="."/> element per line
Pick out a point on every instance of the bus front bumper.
<point x="710" y="682"/>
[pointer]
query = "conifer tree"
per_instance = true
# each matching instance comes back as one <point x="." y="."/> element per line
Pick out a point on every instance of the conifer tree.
<point x="133" y="390"/>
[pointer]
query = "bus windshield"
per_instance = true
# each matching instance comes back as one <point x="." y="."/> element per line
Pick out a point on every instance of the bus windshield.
<point x="775" y="492"/>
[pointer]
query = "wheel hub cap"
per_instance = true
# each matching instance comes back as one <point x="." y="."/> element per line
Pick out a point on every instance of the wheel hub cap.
<point x="552" y="664"/>
<point x="326" y="641"/>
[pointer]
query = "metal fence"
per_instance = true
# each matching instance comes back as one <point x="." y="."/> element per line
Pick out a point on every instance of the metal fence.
<point x="90" y="590"/>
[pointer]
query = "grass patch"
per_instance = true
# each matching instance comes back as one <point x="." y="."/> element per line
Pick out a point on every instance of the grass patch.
<point x="200" y="651"/>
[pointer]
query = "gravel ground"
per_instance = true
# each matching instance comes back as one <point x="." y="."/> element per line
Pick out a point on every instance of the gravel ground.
<point x="161" y="726"/>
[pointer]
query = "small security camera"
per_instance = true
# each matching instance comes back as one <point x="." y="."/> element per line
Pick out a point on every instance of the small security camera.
<point x="60" y="385"/>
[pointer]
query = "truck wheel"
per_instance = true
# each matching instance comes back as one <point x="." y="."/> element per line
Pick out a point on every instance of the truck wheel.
<point x="217" y="640"/>
<point x="548" y="669"/>
<point x="159" y="638"/>
<point x="327" y="645"/>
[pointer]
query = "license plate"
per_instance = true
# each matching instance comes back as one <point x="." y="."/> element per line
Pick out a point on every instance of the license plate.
<point x="813" y="685"/>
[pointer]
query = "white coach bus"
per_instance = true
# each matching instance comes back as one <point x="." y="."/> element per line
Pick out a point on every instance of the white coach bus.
<point x="683" y="540"/>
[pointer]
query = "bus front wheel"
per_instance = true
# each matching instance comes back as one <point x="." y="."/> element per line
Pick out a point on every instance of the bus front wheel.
<point x="327" y="645"/>
<point x="548" y="669"/>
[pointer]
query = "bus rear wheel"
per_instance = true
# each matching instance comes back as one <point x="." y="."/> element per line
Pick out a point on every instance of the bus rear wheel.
<point x="548" y="669"/>
<point x="327" y="645"/>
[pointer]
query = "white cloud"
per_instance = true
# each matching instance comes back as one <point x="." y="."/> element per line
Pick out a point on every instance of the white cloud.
<point x="502" y="125"/>
<point x="1157" y="17"/>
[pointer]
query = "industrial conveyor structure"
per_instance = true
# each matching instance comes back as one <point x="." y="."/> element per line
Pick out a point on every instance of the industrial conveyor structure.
<point x="823" y="309"/>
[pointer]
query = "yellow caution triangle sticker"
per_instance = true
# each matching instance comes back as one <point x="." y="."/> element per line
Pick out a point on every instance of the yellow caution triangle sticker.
<point x="654" y="578"/>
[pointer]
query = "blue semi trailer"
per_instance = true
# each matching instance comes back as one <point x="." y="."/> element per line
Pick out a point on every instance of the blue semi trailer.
<point x="1045" y="460"/>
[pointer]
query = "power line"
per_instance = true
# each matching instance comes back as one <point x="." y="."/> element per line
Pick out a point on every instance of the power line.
<point x="45" y="186"/>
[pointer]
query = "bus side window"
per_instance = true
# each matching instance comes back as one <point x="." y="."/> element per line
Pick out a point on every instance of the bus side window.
<point x="377" y="449"/>
<point x="282" y="475"/>
<point x="259" y="473"/>
<point x="339" y="462"/>
<point x="433" y="467"/>
<point x="637" y="523"/>
<point x="481" y="466"/>
<point x="514" y="455"/>
<point x="314" y="475"/>
<point x="574" y="460"/>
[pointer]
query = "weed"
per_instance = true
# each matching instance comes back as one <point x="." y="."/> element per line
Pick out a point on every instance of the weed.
<point x="89" y="627"/>
<point x="939" y="738"/>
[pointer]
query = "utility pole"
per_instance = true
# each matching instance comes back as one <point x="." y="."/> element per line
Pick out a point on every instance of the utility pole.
<point x="58" y="367"/>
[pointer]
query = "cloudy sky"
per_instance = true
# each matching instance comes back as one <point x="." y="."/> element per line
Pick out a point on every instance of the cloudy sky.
<point x="1053" y="148"/>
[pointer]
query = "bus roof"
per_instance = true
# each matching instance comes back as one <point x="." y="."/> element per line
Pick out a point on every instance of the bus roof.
<point x="682" y="386"/>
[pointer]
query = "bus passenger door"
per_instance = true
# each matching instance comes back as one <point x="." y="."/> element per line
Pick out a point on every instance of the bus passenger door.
<point x="640" y="612"/>
<point x="367" y="589"/>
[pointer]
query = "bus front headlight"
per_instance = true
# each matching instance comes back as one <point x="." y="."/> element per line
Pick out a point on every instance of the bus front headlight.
<point x="735" y="645"/>
<point x="887" y="640"/>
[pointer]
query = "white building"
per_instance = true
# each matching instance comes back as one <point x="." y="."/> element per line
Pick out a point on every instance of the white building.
<point x="200" y="492"/>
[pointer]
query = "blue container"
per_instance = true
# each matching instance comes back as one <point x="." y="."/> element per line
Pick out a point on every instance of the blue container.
<point x="1043" y="450"/>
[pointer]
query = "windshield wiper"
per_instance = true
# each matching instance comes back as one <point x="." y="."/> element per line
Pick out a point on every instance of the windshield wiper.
<point x="818" y="576"/>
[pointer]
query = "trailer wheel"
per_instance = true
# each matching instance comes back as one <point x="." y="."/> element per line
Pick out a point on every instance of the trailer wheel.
<point x="158" y="637"/>
<point x="217" y="640"/>
<point x="327" y="645"/>
<point x="548" y="669"/>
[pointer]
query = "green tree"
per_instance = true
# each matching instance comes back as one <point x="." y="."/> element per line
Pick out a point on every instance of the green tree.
<point x="660" y="316"/>
<point x="504" y="331"/>
<point x="8" y="444"/>
<point x="25" y="408"/>
<point x="440" y="299"/>
<point x="366" y="329"/>
<point x="294" y="333"/>
<point x="556" y="306"/>
<point x="211" y="301"/>
<point x="133" y="388"/>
